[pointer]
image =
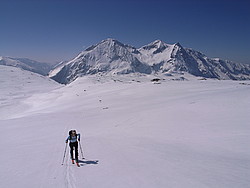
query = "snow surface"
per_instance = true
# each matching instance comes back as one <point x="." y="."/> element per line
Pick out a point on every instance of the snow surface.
<point x="17" y="84"/>
<point x="172" y="134"/>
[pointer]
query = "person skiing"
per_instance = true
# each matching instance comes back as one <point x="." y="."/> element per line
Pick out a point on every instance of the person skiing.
<point x="73" y="144"/>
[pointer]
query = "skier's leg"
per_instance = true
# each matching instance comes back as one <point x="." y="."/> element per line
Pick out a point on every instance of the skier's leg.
<point x="71" y="150"/>
<point x="76" y="151"/>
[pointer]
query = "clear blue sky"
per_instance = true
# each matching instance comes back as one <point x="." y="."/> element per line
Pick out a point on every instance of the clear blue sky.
<point x="55" y="30"/>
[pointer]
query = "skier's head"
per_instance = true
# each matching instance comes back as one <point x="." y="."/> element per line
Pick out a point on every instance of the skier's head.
<point x="73" y="132"/>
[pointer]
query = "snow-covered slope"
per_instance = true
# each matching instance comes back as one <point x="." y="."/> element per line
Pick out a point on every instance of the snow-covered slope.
<point x="26" y="64"/>
<point x="57" y="68"/>
<point x="16" y="85"/>
<point x="112" y="57"/>
<point x="174" y="134"/>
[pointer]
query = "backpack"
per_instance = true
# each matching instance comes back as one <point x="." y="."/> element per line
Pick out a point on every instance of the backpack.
<point x="70" y="133"/>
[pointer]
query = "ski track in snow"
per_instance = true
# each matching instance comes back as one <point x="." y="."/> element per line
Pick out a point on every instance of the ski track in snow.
<point x="70" y="180"/>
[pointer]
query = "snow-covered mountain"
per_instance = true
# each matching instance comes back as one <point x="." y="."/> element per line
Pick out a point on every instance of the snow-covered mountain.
<point x="112" y="57"/>
<point x="163" y="57"/>
<point x="26" y="64"/>
<point x="108" y="56"/>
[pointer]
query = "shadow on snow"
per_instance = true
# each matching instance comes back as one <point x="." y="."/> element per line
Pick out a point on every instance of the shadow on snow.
<point x="85" y="162"/>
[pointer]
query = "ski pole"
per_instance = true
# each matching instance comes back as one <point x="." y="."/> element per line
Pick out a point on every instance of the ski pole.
<point x="81" y="150"/>
<point x="64" y="153"/>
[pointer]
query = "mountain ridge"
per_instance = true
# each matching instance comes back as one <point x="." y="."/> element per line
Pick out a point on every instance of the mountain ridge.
<point x="26" y="64"/>
<point x="110" y="56"/>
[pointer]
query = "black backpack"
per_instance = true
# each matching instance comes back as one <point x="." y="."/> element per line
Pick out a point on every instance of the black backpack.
<point x="70" y="133"/>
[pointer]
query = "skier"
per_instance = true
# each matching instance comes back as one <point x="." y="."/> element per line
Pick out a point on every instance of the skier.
<point x="73" y="144"/>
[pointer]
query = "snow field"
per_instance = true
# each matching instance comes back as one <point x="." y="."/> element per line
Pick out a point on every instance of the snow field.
<point x="174" y="134"/>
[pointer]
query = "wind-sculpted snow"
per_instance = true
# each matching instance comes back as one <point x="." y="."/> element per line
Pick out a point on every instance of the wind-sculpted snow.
<point x="112" y="57"/>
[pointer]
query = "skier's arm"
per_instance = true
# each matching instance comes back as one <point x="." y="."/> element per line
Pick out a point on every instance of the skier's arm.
<point x="67" y="139"/>
<point x="79" y="136"/>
